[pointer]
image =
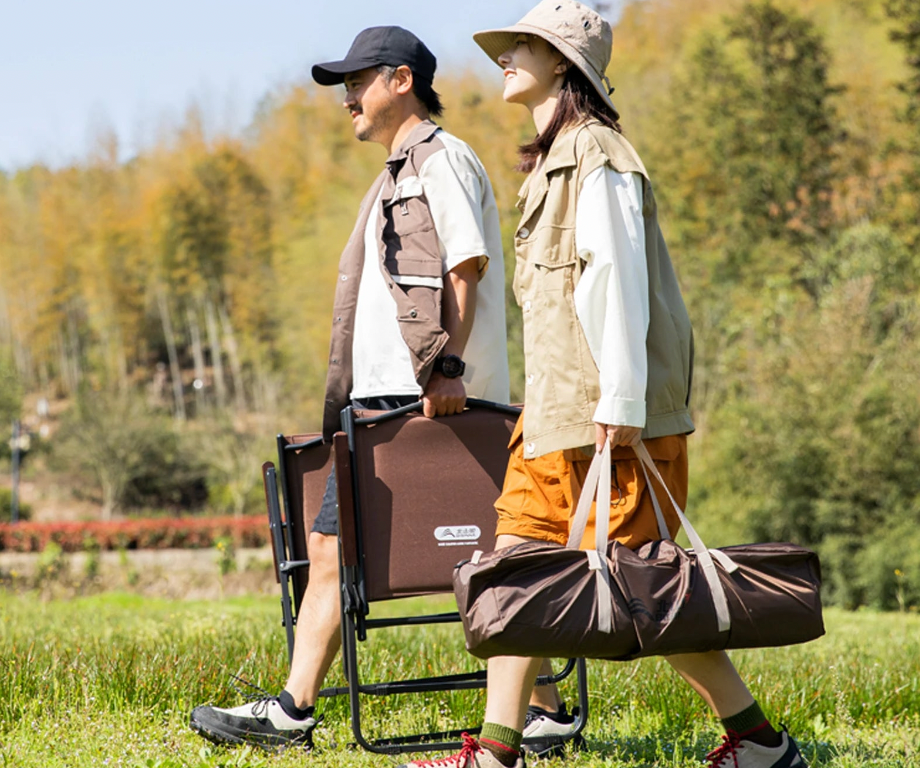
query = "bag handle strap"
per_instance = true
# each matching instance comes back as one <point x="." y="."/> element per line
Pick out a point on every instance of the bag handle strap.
<point x="702" y="552"/>
<point x="583" y="508"/>
<point x="597" y="485"/>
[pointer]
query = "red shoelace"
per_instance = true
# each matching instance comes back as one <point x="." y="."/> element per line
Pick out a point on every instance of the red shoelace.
<point x="462" y="759"/>
<point x="725" y="749"/>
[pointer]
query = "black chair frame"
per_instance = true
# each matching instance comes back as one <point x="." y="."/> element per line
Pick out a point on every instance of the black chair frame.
<point x="293" y="572"/>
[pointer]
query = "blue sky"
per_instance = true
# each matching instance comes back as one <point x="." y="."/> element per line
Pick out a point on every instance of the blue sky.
<point x="70" y="69"/>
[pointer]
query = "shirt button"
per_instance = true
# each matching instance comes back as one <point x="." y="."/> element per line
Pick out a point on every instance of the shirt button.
<point x="527" y="305"/>
<point x="344" y="278"/>
<point x="529" y="448"/>
<point x="413" y="313"/>
<point x="389" y="285"/>
<point x="530" y="378"/>
<point x="335" y="360"/>
<point x="523" y="232"/>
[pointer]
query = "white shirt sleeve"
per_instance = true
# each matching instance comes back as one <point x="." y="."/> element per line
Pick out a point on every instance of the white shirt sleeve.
<point x="611" y="298"/>
<point x="455" y="191"/>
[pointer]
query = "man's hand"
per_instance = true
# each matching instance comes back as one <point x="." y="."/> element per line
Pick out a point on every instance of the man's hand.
<point x="443" y="396"/>
<point x="617" y="435"/>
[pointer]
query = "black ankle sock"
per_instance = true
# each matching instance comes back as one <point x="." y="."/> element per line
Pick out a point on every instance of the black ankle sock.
<point x="752" y="725"/>
<point x="291" y="709"/>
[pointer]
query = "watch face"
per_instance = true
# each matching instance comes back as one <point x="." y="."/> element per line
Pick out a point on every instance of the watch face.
<point x="452" y="366"/>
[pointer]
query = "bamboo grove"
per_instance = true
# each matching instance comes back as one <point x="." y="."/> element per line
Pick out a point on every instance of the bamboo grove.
<point x="782" y="139"/>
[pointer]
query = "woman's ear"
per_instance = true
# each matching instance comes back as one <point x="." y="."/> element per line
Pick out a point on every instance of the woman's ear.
<point x="562" y="67"/>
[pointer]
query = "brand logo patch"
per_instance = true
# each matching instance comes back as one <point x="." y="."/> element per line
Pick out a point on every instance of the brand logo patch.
<point x="457" y="535"/>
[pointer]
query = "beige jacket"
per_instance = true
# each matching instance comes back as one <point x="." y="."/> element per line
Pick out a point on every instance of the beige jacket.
<point x="563" y="384"/>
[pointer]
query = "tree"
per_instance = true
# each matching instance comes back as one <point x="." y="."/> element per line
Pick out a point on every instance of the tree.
<point x="906" y="16"/>
<point x="745" y="175"/>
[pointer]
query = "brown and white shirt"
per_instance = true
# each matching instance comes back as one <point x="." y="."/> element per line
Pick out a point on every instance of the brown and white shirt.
<point x="431" y="209"/>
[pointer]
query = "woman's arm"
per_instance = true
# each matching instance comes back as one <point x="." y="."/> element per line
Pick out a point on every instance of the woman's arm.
<point x="611" y="299"/>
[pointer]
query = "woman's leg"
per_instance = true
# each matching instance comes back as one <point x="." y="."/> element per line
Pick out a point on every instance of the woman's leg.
<point x="510" y="682"/>
<point x="713" y="676"/>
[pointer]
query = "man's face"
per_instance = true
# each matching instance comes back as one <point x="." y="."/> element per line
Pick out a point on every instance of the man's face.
<point x="370" y="101"/>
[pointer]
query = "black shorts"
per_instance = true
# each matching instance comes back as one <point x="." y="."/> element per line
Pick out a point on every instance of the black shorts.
<point x="327" y="521"/>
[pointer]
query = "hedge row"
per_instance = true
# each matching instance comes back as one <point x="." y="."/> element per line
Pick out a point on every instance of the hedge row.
<point x="165" y="533"/>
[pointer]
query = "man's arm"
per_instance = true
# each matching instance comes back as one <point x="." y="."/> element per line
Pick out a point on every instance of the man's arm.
<point x="444" y="396"/>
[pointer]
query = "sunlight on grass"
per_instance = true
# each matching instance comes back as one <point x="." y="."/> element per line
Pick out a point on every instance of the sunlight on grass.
<point x="109" y="680"/>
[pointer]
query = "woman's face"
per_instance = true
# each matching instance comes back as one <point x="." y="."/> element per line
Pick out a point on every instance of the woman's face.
<point x="534" y="71"/>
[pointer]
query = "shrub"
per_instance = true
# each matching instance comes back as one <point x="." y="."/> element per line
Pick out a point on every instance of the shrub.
<point x="6" y="507"/>
<point x="158" y="533"/>
<point x="52" y="562"/>
<point x="137" y="458"/>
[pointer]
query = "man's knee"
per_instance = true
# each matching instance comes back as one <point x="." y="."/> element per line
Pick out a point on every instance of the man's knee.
<point x="323" y="551"/>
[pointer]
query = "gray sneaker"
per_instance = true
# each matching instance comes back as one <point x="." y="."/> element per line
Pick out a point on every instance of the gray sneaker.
<point x="736" y="752"/>
<point x="471" y="755"/>
<point x="551" y="730"/>
<point x="263" y="723"/>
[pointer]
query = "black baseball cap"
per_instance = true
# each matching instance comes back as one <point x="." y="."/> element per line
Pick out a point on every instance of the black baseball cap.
<point x="393" y="46"/>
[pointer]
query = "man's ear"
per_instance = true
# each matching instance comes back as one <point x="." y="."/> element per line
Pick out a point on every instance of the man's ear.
<point x="403" y="79"/>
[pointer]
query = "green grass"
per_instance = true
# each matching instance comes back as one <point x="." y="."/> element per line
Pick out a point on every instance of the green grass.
<point x="110" y="680"/>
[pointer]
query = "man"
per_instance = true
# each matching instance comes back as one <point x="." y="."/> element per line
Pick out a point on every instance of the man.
<point x="427" y="237"/>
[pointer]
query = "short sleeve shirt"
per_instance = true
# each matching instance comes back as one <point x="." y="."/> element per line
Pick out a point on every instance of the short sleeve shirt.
<point x="465" y="217"/>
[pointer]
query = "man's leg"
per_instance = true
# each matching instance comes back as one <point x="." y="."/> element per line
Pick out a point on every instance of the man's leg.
<point x="317" y="641"/>
<point x="546" y="696"/>
<point x="287" y="719"/>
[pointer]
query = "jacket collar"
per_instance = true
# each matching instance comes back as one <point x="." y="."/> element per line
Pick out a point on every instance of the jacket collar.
<point x="421" y="133"/>
<point x="561" y="155"/>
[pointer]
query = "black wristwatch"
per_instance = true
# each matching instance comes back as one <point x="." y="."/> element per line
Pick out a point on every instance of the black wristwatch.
<point x="449" y="366"/>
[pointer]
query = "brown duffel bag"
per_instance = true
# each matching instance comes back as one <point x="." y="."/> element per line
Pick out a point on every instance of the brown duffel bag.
<point x="543" y="599"/>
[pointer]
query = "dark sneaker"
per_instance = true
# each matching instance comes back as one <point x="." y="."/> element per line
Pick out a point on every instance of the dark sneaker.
<point x="263" y="723"/>
<point x="551" y="730"/>
<point x="739" y="753"/>
<point x="471" y="755"/>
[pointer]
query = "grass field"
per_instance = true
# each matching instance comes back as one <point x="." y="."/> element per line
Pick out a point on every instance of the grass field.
<point x="110" y="680"/>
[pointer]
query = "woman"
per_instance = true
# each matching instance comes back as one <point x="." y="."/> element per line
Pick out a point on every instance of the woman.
<point x="608" y="353"/>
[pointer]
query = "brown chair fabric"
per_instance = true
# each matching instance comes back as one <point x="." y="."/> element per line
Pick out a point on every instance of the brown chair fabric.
<point x="425" y="495"/>
<point x="305" y="473"/>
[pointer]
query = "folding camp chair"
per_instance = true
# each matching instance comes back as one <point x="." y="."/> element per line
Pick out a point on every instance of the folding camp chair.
<point x="415" y="497"/>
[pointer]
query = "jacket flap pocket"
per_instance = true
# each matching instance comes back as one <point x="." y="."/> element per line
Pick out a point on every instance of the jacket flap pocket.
<point x="411" y="186"/>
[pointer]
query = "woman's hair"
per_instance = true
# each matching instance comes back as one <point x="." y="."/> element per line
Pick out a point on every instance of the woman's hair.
<point x="424" y="92"/>
<point x="578" y="101"/>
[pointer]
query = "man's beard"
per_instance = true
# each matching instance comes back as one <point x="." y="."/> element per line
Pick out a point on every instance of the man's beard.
<point x="381" y="120"/>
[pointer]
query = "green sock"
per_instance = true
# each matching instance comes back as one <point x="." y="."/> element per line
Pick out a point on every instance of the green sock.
<point x="752" y="724"/>
<point x="501" y="741"/>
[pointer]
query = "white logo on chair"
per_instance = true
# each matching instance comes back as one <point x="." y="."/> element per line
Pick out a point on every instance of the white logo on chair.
<point x="457" y="535"/>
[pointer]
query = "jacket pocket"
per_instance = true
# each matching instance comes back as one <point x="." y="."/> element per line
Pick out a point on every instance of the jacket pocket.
<point x="554" y="276"/>
<point x="406" y="211"/>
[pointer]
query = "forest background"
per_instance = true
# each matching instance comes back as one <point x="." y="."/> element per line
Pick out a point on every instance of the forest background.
<point x="161" y="318"/>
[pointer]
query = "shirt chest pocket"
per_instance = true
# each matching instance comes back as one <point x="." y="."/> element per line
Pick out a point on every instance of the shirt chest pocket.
<point x="551" y="260"/>
<point x="406" y="210"/>
<point x="412" y="253"/>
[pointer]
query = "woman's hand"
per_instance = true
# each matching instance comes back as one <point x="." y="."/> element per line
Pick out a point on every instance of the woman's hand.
<point x="616" y="434"/>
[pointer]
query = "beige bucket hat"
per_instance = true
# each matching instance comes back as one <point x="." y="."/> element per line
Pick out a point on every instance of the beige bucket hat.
<point x="576" y="31"/>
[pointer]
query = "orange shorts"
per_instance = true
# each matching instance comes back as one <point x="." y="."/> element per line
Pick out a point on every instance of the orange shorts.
<point x="539" y="495"/>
